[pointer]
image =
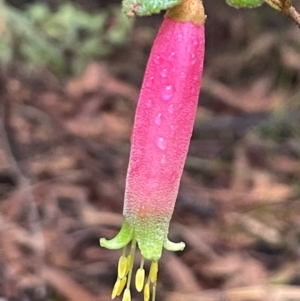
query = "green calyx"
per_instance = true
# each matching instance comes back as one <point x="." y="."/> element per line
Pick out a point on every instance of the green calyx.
<point x="150" y="236"/>
<point x="121" y="240"/>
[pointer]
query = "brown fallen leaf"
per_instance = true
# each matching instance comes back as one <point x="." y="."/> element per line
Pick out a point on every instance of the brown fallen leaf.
<point x="64" y="285"/>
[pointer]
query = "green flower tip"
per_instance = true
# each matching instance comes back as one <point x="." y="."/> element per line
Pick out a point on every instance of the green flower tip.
<point x="171" y="246"/>
<point x="150" y="240"/>
<point x="122" y="239"/>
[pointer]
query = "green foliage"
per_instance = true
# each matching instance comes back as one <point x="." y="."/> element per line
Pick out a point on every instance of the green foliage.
<point x="64" y="40"/>
<point x="280" y="126"/>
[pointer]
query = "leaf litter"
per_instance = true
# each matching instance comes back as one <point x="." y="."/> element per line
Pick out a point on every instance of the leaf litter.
<point x="63" y="159"/>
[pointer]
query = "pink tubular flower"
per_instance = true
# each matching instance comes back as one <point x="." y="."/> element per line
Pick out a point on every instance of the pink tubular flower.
<point x="161" y="135"/>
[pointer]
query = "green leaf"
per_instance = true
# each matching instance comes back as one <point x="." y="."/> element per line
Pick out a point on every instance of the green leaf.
<point x="245" y="3"/>
<point x="147" y="7"/>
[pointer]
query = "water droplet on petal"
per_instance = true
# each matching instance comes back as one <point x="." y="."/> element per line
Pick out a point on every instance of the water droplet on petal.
<point x="193" y="58"/>
<point x="158" y="119"/>
<point x="171" y="131"/>
<point x="161" y="143"/>
<point x="164" y="72"/>
<point x="182" y="74"/>
<point x="157" y="60"/>
<point x="149" y="103"/>
<point x="171" y="56"/>
<point x="167" y="92"/>
<point x="150" y="82"/>
<point x="163" y="159"/>
<point x="171" y="108"/>
<point x="196" y="77"/>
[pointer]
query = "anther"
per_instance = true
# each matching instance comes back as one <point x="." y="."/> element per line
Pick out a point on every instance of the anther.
<point x="146" y="292"/>
<point x="127" y="295"/>
<point x="115" y="290"/>
<point x="153" y="271"/>
<point x="121" y="286"/>
<point x="139" y="279"/>
<point x="122" y="267"/>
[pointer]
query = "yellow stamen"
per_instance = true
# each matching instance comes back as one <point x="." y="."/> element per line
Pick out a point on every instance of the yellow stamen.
<point x="126" y="296"/>
<point x="154" y="291"/>
<point x="129" y="259"/>
<point x="139" y="279"/>
<point x="146" y="292"/>
<point x="115" y="290"/>
<point x="122" y="267"/>
<point x="153" y="271"/>
<point x="121" y="286"/>
<point x="125" y="270"/>
<point x="132" y="253"/>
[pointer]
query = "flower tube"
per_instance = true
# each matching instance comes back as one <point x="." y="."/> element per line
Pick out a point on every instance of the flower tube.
<point x="161" y="136"/>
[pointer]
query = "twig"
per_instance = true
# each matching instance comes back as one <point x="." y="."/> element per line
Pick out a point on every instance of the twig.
<point x="286" y="8"/>
<point x="292" y="13"/>
<point x="254" y="293"/>
<point x="25" y="194"/>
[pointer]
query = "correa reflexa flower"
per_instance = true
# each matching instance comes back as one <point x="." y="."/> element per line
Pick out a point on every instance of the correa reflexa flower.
<point x="161" y="135"/>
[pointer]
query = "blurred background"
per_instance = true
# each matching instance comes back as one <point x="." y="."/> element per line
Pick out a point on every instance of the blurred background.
<point x="70" y="73"/>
